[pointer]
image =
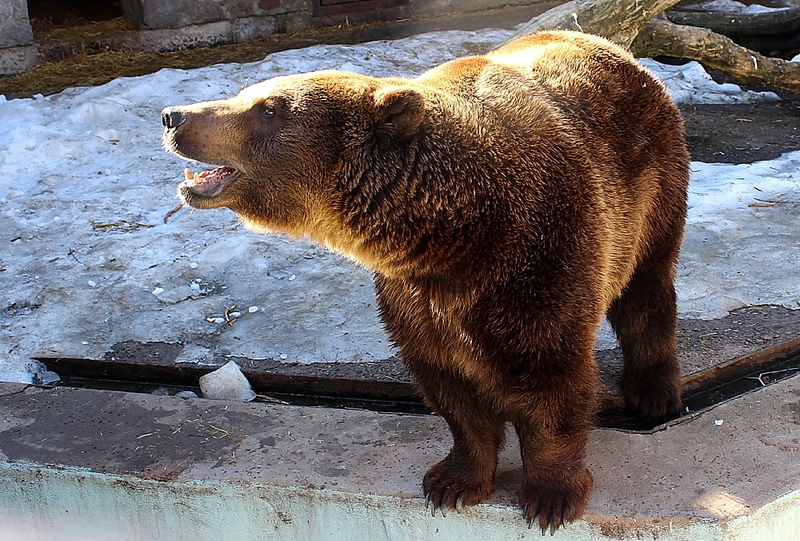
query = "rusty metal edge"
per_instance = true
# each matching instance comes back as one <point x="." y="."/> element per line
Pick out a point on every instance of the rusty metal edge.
<point x="740" y="367"/>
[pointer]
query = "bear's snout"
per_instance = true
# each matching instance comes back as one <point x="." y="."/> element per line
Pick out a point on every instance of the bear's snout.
<point x="172" y="118"/>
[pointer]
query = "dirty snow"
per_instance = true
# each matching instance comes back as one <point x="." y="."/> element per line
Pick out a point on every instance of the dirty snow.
<point x="88" y="260"/>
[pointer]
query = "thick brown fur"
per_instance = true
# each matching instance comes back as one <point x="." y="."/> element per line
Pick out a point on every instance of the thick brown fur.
<point x="506" y="203"/>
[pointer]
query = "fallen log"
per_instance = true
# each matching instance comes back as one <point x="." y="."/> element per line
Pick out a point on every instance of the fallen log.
<point x="660" y="37"/>
<point x="733" y="25"/>
<point x="616" y="20"/>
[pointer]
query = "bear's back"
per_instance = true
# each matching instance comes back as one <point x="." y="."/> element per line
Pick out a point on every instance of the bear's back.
<point x="571" y="98"/>
<point x="578" y="84"/>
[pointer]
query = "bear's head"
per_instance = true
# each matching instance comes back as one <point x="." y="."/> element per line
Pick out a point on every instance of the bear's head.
<point x="279" y="147"/>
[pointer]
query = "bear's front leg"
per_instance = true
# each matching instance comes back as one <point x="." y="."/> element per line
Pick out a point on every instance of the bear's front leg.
<point x="553" y="420"/>
<point x="466" y="475"/>
<point x="556" y="484"/>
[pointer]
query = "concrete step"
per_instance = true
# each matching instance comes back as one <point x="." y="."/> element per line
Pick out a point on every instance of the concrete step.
<point x="78" y="464"/>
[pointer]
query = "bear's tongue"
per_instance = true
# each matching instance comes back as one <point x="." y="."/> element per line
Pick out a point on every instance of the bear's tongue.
<point x="209" y="183"/>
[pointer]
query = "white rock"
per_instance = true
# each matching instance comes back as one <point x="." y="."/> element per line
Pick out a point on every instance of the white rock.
<point x="227" y="383"/>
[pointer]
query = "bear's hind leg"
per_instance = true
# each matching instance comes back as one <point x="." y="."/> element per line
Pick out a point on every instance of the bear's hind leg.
<point x="644" y="319"/>
<point x="466" y="475"/>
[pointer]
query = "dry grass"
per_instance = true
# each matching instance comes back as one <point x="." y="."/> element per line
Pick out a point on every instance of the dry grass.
<point x="81" y="32"/>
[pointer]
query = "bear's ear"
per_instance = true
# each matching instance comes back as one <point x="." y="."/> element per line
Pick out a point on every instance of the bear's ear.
<point x="399" y="110"/>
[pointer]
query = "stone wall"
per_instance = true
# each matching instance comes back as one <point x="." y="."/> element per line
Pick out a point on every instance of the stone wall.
<point x="152" y="14"/>
<point x="17" y="51"/>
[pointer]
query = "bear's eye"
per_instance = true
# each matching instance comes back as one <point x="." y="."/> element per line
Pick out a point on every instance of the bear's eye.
<point x="267" y="111"/>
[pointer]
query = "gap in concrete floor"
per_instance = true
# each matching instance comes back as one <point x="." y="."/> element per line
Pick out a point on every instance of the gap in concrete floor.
<point x="718" y="385"/>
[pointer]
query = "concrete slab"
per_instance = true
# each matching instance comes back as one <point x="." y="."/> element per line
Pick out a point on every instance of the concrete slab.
<point x="84" y="464"/>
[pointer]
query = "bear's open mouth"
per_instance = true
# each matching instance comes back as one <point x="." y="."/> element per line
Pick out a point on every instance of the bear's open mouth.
<point x="209" y="183"/>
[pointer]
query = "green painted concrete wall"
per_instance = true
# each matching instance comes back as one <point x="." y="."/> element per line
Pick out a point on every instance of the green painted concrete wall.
<point x="47" y="504"/>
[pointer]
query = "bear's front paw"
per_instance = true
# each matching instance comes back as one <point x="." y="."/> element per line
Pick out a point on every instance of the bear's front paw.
<point x="557" y="501"/>
<point x="448" y="485"/>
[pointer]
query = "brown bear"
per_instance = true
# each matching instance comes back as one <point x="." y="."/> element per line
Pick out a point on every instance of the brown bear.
<point x="505" y="203"/>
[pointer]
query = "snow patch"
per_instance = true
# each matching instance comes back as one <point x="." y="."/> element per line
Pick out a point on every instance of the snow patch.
<point x="690" y="83"/>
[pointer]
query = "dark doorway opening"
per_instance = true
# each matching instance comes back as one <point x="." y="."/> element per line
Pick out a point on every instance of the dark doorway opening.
<point x="49" y="15"/>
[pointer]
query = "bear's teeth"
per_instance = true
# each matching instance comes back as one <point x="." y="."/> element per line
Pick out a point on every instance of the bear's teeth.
<point x="192" y="179"/>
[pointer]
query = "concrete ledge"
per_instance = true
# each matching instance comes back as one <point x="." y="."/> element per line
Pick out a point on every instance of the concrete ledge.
<point x="83" y="464"/>
<point x="168" y="39"/>
<point x="18" y="59"/>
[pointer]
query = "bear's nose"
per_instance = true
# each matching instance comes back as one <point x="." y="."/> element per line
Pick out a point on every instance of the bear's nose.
<point x="172" y="118"/>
